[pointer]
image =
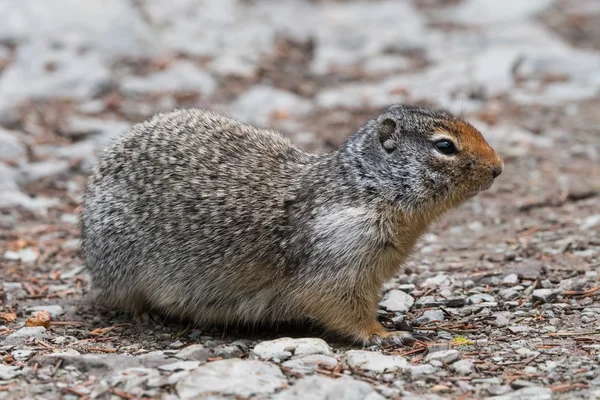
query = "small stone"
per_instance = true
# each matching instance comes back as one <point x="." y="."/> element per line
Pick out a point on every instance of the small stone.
<point x="374" y="361"/>
<point x="519" y="328"/>
<point x="480" y="298"/>
<point x="428" y="302"/>
<point x="8" y="372"/>
<point x="447" y="356"/>
<point x="22" y="355"/>
<point x="436" y="281"/>
<point x="176" y="345"/>
<point x="53" y="310"/>
<point x="521" y="383"/>
<point x="456" y="301"/>
<point x="310" y="363"/>
<point x="524" y="351"/>
<point x="546" y="295"/>
<point x="322" y="388"/>
<point x="421" y="370"/>
<point x="499" y="390"/>
<point x="486" y="381"/>
<point x="195" y="352"/>
<point x="232" y="377"/>
<point x="285" y="348"/>
<point x="427" y="316"/>
<point x="25" y="334"/>
<point x="508" y="294"/>
<point x="180" y="366"/>
<point x="407" y="288"/>
<point x="398" y="301"/>
<point x="463" y="367"/>
<point x="590" y="222"/>
<point x="511" y="279"/>
<point x="10" y="146"/>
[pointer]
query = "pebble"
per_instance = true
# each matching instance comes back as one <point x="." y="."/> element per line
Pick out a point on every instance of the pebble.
<point x="519" y="328"/>
<point x="447" y="356"/>
<point x="232" y="377"/>
<point x="546" y="295"/>
<point x="511" y="279"/>
<point x="376" y="362"/>
<point x="480" y="298"/>
<point x="25" y="334"/>
<point x="322" y="388"/>
<point x="180" y="366"/>
<point x="22" y="355"/>
<point x="260" y="103"/>
<point x="285" y="348"/>
<point x="463" y="367"/>
<point x="427" y="316"/>
<point x="310" y="363"/>
<point x="398" y="301"/>
<point x="420" y="370"/>
<point x="195" y="352"/>
<point x="456" y="301"/>
<point x="7" y="372"/>
<point x="527" y="393"/>
<point x="10" y="146"/>
<point x="54" y="310"/>
<point x="428" y="302"/>
<point x="508" y="294"/>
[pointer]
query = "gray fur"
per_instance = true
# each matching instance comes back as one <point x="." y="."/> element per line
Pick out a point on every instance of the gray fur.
<point x="200" y="216"/>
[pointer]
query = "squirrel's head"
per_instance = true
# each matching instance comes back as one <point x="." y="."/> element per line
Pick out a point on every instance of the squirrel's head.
<point x="421" y="160"/>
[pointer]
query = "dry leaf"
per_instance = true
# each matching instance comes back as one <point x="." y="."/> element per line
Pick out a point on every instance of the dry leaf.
<point x="9" y="317"/>
<point x="101" y="331"/>
<point x="40" y="318"/>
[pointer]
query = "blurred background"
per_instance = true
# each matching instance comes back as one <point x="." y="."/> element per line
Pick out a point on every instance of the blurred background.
<point x="76" y="73"/>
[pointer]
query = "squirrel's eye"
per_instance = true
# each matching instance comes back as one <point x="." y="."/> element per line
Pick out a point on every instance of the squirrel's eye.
<point x="445" y="147"/>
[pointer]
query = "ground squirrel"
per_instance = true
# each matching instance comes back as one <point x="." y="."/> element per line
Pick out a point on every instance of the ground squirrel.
<point x="200" y="216"/>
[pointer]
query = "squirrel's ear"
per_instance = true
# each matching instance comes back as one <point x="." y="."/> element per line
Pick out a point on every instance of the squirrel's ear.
<point x="386" y="130"/>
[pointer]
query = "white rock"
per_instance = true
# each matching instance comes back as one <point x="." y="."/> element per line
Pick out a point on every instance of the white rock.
<point x="420" y="370"/>
<point x="8" y="372"/>
<point x="24" y="334"/>
<point x="483" y="12"/>
<point x="377" y="362"/>
<point x="590" y="222"/>
<point x="42" y="169"/>
<point x="310" y="363"/>
<point x="288" y="347"/>
<point x="181" y="76"/>
<point x="462" y="367"/>
<point x="258" y="104"/>
<point x="10" y="146"/>
<point x="21" y="355"/>
<point x="26" y="255"/>
<point x="438" y="280"/>
<point x="397" y="300"/>
<point x="9" y="177"/>
<point x="447" y="356"/>
<point x="180" y="366"/>
<point x="511" y="279"/>
<point x="322" y="388"/>
<point x="39" y="204"/>
<point x="76" y="74"/>
<point x="232" y="377"/>
<point x="53" y="310"/>
<point x="528" y="393"/>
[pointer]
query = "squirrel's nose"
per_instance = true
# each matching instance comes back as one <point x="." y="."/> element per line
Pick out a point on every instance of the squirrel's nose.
<point x="496" y="171"/>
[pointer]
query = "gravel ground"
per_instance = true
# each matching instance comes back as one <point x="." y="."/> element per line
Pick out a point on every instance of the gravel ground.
<point x="507" y="286"/>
